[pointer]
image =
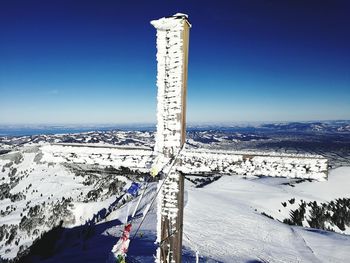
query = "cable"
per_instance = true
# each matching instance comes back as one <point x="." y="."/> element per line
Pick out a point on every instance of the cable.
<point x="154" y="198"/>
<point x="143" y="219"/>
<point x="195" y="247"/>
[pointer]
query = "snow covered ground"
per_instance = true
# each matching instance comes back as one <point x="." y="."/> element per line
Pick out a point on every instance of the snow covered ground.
<point x="38" y="195"/>
<point x="227" y="220"/>
<point x="223" y="222"/>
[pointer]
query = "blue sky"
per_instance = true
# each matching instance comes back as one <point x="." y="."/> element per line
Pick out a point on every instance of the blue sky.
<point x="94" y="61"/>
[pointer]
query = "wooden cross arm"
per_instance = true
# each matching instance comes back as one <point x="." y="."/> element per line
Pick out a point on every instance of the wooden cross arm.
<point x="208" y="162"/>
<point x="135" y="158"/>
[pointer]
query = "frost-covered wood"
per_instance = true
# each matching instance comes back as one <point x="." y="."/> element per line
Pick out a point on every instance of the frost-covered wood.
<point x="133" y="158"/>
<point x="171" y="78"/>
<point x="253" y="163"/>
<point x="190" y="161"/>
<point x="172" y="52"/>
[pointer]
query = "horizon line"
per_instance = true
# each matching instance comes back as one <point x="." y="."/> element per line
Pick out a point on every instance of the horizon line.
<point x="132" y="124"/>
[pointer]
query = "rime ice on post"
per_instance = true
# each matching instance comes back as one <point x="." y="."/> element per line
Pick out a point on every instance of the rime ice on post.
<point x="172" y="57"/>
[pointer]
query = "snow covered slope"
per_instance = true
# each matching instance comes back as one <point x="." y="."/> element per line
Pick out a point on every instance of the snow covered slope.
<point x="223" y="222"/>
<point x="38" y="195"/>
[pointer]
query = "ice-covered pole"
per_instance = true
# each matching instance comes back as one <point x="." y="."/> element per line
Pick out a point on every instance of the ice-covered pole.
<point x="172" y="60"/>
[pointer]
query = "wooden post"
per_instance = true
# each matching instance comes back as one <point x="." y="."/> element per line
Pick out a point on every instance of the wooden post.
<point x="172" y="57"/>
<point x="186" y="40"/>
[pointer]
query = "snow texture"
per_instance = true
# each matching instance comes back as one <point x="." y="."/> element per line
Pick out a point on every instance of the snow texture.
<point x="133" y="158"/>
<point x="224" y="222"/>
<point x="254" y="163"/>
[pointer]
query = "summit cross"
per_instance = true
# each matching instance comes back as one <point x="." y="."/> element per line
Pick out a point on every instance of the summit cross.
<point x="170" y="157"/>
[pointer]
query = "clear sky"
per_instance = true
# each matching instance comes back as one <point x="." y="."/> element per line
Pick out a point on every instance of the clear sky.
<point x="94" y="61"/>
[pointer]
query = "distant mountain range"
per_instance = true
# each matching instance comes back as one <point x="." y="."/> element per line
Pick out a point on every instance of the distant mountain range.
<point x="342" y="126"/>
<point x="311" y="126"/>
<point x="331" y="126"/>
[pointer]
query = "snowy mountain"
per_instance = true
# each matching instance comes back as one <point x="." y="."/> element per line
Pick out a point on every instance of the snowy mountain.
<point x="55" y="210"/>
<point x="330" y="126"/>
<point x="36" y="196"/>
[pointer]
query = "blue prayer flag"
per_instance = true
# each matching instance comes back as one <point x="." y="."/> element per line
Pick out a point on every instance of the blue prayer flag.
<point x="133" y="189"/>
